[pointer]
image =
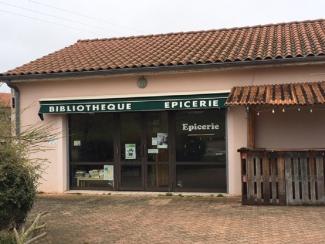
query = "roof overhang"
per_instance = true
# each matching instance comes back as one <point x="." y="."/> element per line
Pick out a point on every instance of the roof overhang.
<point x="308" y="60"/>
<point x="307" y="93"/>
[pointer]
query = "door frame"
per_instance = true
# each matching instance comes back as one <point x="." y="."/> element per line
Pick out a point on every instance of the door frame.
<point x="143" y="154"/>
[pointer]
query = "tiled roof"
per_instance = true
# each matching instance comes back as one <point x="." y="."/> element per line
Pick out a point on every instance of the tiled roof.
<point x="245" y="44"/>
<point x="308" y="93"/>
<point x="5" y="99"/>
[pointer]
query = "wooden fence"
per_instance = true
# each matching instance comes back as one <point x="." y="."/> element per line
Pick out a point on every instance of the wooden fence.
<point x="288" y="177"/>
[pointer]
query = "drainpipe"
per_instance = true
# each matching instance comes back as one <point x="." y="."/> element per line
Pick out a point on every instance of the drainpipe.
<point x="16" y="105"/>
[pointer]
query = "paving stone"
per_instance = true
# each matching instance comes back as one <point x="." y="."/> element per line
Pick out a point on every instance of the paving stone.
<point x="149" y="219"/>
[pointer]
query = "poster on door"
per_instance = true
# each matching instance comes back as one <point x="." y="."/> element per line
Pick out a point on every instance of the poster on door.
<point x="130" y="151"/>
<point x="162" y="139"/>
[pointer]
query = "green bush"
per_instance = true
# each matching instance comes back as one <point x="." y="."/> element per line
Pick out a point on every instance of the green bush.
<point x="17" y="188"/>
<point x="20" y="168"/>
<point x="7" y="238"/>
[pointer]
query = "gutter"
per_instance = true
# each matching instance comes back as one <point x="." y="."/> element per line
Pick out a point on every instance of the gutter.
<point x="16" y="104"/>
<point x="157" y="69"/>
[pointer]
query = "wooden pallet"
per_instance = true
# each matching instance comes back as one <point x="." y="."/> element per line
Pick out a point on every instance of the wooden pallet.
<point x="283" y="177"/>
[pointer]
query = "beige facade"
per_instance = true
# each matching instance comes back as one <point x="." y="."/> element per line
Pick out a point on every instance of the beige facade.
<point x="289" y="129"/>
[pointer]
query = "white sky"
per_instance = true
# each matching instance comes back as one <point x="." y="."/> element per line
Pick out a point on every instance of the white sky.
<point x="33" y="28"/>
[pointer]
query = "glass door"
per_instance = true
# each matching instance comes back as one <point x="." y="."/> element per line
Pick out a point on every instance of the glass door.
<point x="157" y="151"/>
<point x="131" y="148"/>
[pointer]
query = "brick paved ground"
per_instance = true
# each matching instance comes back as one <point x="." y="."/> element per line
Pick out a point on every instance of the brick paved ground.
<point x="148" y="219"/>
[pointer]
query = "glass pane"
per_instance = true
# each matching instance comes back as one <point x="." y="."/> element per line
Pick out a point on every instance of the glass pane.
<point x="92" y="176"/>
<point x="202" y="177"/>
<point x="157" y="137"/>
<point x="131" y="136"/>
<point x="200" y="136"/>
<point x="91" y="138"/>
<point x="131" y="176"/>
<point x="158" y="175"/>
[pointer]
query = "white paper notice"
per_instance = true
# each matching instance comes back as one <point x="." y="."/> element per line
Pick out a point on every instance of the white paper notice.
<point x="130" y="151"/>
<point x="108" y="172"/>
<point x="153" y="151"/>
<point x="154" y="141"/>
<point x="162" y="139"/>
<point x="77" y="143"/>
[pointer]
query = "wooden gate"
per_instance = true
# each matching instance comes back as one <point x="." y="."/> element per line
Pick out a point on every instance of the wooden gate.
<point x="282" y="177"/>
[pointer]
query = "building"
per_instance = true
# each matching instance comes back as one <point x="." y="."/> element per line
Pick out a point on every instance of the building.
<point x="5" y="104"/>
<point x="5" y="99"/>
<point x="169" y="112"/>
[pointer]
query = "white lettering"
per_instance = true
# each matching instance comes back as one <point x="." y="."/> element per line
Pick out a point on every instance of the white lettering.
<point x="191" y="127"/>
<point x="96" y="107"/>
<point x="80" y="108"/>
<point x="111" y="107"/>
<point x="203" y="103"/>
<point x="120" y="106"/>
<point x="215" y="103"/>
<point x="174" y="104"/>
<point x="187" y="104"/>
<point x="185" y="126"/>
<point x="51" y="109"/>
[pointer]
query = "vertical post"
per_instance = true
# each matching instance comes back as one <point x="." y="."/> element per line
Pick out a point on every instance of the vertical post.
<point x="243" y="158"/>
<point x="288" y="180"/>
<point x="250" y="128"/>
<point x="281" y="179"/>
<point x="266" y="179"/>
<point x="312" y="176"/>
<point x="320" y="178"/>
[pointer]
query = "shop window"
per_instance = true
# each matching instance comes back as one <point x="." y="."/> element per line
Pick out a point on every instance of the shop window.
<point x="91" y="138"/>
<point x="91" y="151"/>
<point x="200" y="136"/>
<point x="200" y="151"/>
<point x="92" y="177"/>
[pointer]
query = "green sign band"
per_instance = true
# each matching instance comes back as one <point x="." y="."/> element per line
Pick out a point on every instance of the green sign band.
<point x="204" y="101"/>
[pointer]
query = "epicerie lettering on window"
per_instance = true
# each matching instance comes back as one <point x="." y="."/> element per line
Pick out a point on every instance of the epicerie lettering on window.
<point x="195" y="126"/>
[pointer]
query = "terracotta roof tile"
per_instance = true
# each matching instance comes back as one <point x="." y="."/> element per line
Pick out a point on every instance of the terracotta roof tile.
<point x="274" y="41"/>
<point x="308" y="93"/>
<point x="5" y="99"/>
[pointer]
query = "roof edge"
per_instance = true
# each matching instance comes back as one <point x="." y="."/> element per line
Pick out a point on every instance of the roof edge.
<point x="187" y="67"/>
<point x="202" y="31"/>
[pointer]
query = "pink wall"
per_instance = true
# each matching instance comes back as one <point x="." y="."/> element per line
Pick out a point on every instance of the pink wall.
<point x="291" y="129"/>
<point x="158" y="84"/>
